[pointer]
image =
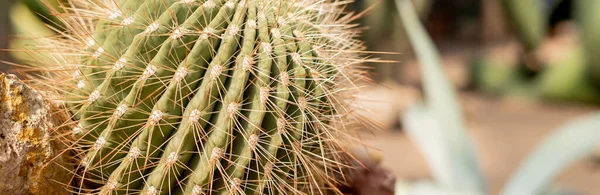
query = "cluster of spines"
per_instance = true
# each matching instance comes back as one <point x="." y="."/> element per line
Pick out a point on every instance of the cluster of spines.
<point x="205" y="97"/>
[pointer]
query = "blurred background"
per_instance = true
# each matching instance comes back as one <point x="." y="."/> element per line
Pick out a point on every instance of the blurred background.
<point x="519" y="70"/>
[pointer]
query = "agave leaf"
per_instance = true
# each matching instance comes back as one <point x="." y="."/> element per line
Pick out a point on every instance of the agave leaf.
<point x="458" y="169"/>
<point x="426" y="188"/>
<point x="586" y="15"/>
<point x="529" y="19"/>
<point x="569" y="143"/>
<point x="26" y="25"/>
<point x="43" y="12"/>
<point x="428" y="134"/>
<point x="425" y="131"/>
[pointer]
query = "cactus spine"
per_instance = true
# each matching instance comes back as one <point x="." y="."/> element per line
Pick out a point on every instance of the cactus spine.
<point x="205" y="97"/>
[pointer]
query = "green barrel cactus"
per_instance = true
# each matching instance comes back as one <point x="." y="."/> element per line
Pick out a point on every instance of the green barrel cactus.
<point x="205" y="96"/>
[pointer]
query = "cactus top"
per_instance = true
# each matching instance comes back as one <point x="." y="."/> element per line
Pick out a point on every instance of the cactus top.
<point x="205" y="96"/>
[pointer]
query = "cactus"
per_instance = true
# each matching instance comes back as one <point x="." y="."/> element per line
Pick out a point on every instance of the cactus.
<point x="205" y="97"/>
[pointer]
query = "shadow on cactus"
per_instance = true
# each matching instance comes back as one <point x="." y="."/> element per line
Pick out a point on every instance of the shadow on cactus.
<point x="205" y="97"/>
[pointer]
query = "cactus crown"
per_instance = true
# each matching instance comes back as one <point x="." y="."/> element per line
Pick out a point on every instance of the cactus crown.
<point x="205" y="96"/>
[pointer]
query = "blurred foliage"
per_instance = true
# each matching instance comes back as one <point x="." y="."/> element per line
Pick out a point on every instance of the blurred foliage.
<point x="45" y="10"/>
<point x="5" y="32"/>
<point x="587" y="14"/>
<point x="575" y="78"/>
<point x="567" y="79"/>
<point x="529" y="20"/>
<point x="383" y="27"/>
<point x="562" y="80"/>
<point x="27" y="27"/>
<point x="438" y="131"/>
<point x="31" y="20"/>
<point x="492" y="75"/>
<point x="437" y="127"/>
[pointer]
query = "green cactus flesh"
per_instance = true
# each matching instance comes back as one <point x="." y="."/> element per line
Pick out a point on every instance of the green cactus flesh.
<point x="206" y="97"/>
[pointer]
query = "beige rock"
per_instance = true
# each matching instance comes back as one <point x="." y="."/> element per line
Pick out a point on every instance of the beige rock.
<point x="30" y="161"/>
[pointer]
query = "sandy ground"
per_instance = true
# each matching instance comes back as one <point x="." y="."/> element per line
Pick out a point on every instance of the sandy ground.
<point x="504" y="132"/>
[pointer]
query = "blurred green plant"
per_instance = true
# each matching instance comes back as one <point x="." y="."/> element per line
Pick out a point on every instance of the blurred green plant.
<point x="575" y="78"/>
<point x="28" y="28"/>
<point x="529" y="20"/>
<point x="45" y="10"/>
<point x="5" y="31"/>
<point x="566" y="79"/>
<point x="571" y="142"/>
<point x="587" y="16"/>
<point x="438" y="127"/>
<point x="32" y="20"/>
<point x="438" y="130"/>
<point x="384" y="26"/>
<point x="492" y="75"/>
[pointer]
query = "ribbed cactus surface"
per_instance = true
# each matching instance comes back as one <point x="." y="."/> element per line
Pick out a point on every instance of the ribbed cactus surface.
<point x="206" y="97"/>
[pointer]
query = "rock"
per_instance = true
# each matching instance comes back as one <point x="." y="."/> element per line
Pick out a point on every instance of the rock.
<point x="31" y="162"/>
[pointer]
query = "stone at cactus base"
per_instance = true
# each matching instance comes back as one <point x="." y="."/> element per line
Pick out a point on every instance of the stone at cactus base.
<point x="29" y="161"/>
